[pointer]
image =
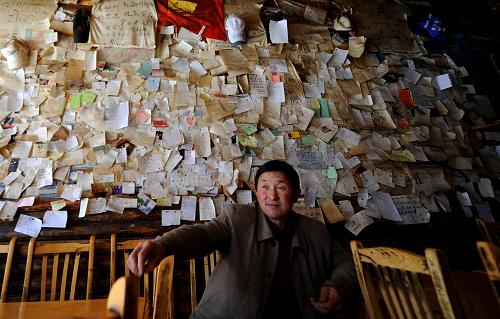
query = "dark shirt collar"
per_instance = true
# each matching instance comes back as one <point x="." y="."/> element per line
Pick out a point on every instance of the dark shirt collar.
<point x="266" y="229"/>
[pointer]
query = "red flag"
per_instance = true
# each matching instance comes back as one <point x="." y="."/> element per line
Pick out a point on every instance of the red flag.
<point x="193" y="15"/>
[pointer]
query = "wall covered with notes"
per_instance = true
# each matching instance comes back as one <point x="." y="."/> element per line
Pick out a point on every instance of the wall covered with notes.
<point x="151" y="115"/>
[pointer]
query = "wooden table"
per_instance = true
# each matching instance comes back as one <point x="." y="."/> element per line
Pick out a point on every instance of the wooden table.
<point x="91" y="309"/>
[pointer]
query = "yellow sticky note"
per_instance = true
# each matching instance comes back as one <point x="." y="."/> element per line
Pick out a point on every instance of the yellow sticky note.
<point x="163" y="202"/>
<point x="294" y="134"/>
<point x="58" y="204"/>
<point x="315" y="104"/>
<point x="181" y="5"/>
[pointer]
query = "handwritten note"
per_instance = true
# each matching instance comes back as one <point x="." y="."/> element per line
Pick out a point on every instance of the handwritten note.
<point x="124" y="23"/>
<point x="310" y="159"/>
<point x="258" y="85"/>
<point x="410" y="209"/>
<point x="170" y="217"/>
<point x="207" y="208"/>
<point x="28" y="225"/>
<point x="188" y="208"/>
<point x="359" y="221"/>
<point x="26" y="14"/>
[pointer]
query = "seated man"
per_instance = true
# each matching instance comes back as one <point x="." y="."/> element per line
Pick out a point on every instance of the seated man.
<point x="274" y="262"/>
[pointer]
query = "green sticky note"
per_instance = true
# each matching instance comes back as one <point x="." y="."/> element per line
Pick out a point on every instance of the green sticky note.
<point x="325" y="112"/>
<point x="307" y="140"/>
<point x="331" y="173"/>
<point x="249" y="141"/>
<point x="75" y="101"/>
<point x="250" y="129"/>
<point x="88" y="97"/>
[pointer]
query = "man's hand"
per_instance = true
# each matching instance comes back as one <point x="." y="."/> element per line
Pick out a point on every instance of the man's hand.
<point x="329" y="300"/>
<point x="145" y="257"/>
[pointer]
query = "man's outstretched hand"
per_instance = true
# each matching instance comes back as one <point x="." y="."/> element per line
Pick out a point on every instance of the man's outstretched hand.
<point x="329" y="300"/>
<point x="145" y="257"/>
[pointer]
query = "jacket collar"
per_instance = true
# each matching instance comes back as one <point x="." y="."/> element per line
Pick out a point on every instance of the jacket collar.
<point x="265" y="232"/>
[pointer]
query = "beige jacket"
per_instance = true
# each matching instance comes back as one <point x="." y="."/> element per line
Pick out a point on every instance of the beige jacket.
<point x="240" y="284"/>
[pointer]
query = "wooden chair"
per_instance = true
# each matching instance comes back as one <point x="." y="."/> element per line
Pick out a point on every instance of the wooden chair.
<point x="486" y="235"/>
<point x="9" y="250"/>
<point x="209" y="263"/>
<point x="54" y="249"/>
<point x="192" y="283"/>
<point x="490" y="254"/>
<point x="391" y="282"/>
<point x="163" y="298"/>
<point x="126" y="248"/>
<point x="123" y="299"/>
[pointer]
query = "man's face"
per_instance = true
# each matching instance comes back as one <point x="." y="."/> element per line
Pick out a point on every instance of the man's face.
<point x="275" y="195"/>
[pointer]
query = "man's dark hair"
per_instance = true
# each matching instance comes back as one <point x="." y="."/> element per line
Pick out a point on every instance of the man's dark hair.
<point x="280" y="166"/>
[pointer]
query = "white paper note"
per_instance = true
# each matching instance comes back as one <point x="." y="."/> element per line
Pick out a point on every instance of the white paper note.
<point x="83" y="207"/>
<point x="72" y="193"/>
<point x="278" y="31"/>
<point x="386" y="206"/>
<point x="443" y="81"/>
<point x="170" y="217"/>
<point x="207" y="208"/>
<point x="244" y="196"/>
<point x="28" y="225"/>
<point x="358" y="222"/>
<point x="338" y="57"/>
<point x="57" y="219"/>
<point x="276" y="92"/>
<point x="188" y="208"/>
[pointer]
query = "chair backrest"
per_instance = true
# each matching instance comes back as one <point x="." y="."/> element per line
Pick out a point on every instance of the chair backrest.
<point x="163" y="298"/>
<point x="125" y="248"/>
<point x="390" y="281"/>
<point x="53" y="250"/>
<point x="7" y="249"/>
<point x="123" y="298"/>
<point x="486" y="235"/>
<point x="209" y="263"/>
<point x="490" y="254"/>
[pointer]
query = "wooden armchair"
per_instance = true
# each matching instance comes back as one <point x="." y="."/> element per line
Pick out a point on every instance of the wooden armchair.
<point x="9" y="250"/>
<point x="125" y="248"/>
<point x="485" y="233"/>
<point x="123" y="299"/>
<point x="163" y="298"/>
<point x="209" y="263"/>
<point x="391" y="283"/>
<point x="71" y="250"/>
<point x="490" y="255"/>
